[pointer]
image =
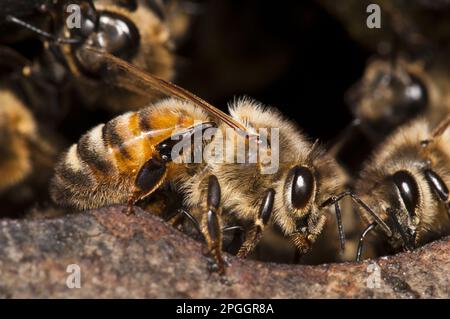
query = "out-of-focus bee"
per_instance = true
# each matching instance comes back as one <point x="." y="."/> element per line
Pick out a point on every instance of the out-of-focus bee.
<point x="406" y="185"/>
<point x="26" y="151"/>
<point x="22" y="148"/>
<point x="396" y="91"/>
<point x="17" y="126"/>
<point x="134" y="30"/>
<point x="131" y="156"/>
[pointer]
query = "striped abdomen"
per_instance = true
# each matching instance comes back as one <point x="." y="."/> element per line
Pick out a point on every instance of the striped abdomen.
<point x="100" y="169"/>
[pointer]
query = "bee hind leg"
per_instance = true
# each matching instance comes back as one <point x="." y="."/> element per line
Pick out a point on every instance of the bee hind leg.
<point x="149" y="178"/>
<point x="211" y="224"/>
<point x="254" y="235"/>
<point x="154" y="172"/>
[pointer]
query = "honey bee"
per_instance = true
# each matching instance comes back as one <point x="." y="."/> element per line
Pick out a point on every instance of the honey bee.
<point x="406" y="185"/>
<point x="392" y="92"/>
<point x="131" y="156"/>
<point x="133" y="30"/>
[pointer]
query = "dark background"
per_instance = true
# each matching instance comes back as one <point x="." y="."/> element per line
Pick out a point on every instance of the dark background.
<point x="289" y="54"/>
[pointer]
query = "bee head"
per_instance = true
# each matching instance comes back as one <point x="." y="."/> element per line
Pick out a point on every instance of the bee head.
<point x="406" y="216"/>
<point x="111" y="32"/>
<point x="386" y="97"/>
<point x="299" y="198"/>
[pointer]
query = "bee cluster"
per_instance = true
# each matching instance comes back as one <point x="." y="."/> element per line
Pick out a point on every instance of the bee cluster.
<point x="86" y="122"/>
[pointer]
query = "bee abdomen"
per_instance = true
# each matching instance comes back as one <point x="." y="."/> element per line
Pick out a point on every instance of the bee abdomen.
<point x="92" y="150"/>
<point x="83" y="173"/>
<point x="72" y="174"/>
<point x="125" y="139"/>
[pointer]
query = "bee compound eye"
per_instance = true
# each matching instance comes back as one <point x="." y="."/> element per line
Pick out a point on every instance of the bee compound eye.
<point x="416" y="93"/>
<point x="302" y="186"/>
<point x="116" y="35"/>
<point x="408" y="189"/>
<point x="437" y="184"/>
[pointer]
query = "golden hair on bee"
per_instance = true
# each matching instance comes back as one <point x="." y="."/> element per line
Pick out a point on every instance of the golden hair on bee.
<point x="405" y="184"/>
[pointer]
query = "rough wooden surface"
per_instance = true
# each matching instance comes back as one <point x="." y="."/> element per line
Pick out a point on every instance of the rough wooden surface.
<point x="142" y="257"/>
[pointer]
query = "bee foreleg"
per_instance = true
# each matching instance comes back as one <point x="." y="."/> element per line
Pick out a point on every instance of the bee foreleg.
<point x="253" y="236"/>
<point x="212" y="222"/>
<point x="361" y="240"/>
<point x="182" y="213"/>
<point x="150" y="176"/>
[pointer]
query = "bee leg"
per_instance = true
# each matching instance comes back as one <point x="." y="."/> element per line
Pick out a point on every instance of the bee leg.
<point x="153" y="173"/>
<point x="212" y="221"/>
<point x="182" y="213"/>
<point x="361" y="240"/>
<point x="150" y="176"/>
<point x="253" y="236"/>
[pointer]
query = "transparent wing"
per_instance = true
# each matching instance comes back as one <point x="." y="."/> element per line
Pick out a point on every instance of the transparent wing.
<point x="126" y="75"/>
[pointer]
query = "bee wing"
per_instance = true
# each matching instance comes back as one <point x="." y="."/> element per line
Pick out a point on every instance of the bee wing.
<point x="131" y="77"/>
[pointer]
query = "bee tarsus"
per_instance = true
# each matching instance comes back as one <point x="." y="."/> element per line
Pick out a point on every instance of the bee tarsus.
<point x="361" y="240"/>
<point x="254" y="235"/>
<point x="211" y="222"/>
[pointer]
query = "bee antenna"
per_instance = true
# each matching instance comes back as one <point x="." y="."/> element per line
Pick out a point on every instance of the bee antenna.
<point x="340" y="225"/>
<point x="334" y="199"/>
<point x="40" y="32"/>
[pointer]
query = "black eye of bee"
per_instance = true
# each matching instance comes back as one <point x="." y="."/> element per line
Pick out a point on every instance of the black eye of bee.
<point x="417" y="92"/>
<point x="437" y="184"/>
<point x="409" y="190"/>
<point x="302" y="186"/>
<point x="115" y="34"/>
<point x="413" y="98"/>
